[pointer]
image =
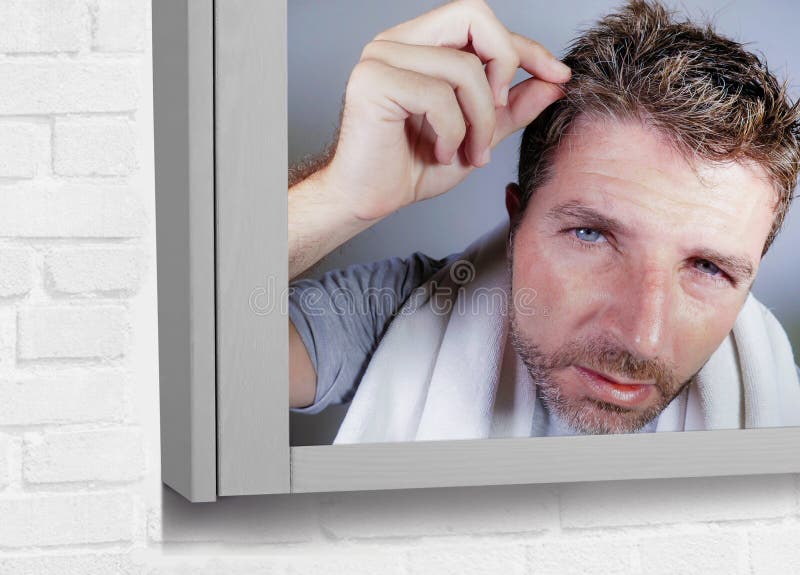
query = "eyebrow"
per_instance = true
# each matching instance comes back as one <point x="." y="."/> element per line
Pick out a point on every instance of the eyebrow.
<point x="573" y="209"/>
<point x="737" y="266"/>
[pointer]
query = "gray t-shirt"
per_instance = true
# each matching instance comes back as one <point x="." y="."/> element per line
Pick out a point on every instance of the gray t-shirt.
<point x="342" y="316"/>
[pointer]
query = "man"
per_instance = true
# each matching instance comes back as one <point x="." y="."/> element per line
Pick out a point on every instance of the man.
<point x="655" y="170"/>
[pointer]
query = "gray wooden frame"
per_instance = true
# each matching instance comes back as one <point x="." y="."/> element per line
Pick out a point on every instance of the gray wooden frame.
<point x="221" y="171"/>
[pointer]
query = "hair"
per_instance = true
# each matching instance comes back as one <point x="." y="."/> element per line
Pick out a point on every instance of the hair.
<point x="713" y="100"/>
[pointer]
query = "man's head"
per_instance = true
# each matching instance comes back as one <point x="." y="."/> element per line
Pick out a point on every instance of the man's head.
<point x="647" y="197"/>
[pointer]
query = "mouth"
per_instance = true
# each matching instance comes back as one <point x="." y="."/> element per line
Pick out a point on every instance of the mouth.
<point x="626" y="393"/>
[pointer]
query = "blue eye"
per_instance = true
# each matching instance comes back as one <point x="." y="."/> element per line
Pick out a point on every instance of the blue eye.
<point x="589" y="235"/>
<point x="710" y="268"/>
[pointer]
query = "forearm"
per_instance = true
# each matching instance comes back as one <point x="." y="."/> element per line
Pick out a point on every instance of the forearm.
<point x="318" y="222"/>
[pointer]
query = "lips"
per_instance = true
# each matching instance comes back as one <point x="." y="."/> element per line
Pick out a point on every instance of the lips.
<point x="602" y="387"/>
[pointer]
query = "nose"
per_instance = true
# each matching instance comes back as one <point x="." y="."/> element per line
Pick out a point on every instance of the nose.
<point x="643" y="311"/>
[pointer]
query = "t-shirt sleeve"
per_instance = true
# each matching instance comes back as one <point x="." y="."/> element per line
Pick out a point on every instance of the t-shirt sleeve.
<point x="342" y="316"/>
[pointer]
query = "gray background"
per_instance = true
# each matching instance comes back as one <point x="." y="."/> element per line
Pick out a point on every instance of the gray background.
<point x="325" y="39"/>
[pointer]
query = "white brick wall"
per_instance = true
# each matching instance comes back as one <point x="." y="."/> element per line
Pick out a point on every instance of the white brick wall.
<point x="80" y="487"/>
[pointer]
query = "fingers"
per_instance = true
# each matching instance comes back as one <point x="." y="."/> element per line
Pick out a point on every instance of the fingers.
<point x="462" y="71"/>
<point x="400" y="93"/>
<point x="455" y="25"/>
<point x="471" y="24"/>
<point x="525" y="102"/>
<point x="537" y="60"/>
<point x="470" y="27"/>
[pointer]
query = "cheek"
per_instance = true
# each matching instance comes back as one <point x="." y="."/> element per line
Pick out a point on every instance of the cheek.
<point x="699" y="332"/>
<point x="559" y="292"/>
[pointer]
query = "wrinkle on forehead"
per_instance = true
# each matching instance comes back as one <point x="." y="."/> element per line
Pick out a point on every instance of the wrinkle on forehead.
<point x="629" y="164"/>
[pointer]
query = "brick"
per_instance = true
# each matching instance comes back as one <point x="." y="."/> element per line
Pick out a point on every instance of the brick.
<point x="119" y="25"/>
<point x="662" y="501"/>
<point x="720" y="553"/>
<point x="75" y="397"/>
<point x="8" y="341"/>
<point x="570" y="555"/>
<point x="72" y="564"/>
<point x="64" y="519"/>
<point x="355" y="562"/>
<point x="83" y="270"/>
<point x="71" y="210"/>
<point x="59" y="86"/>
<point x="468" y="558"/>
<point x="94" y="146"/>
<point x="24" y="149"/>
<point x="71" y="331"/>
<point x="17" y="157"/>
<point x="226" y="565"/>
<point x="43" y="26"/>
<point x="16" y="271"/>
<point x="775" y="550"/>
<point x="5" y="464"/>
<point x="441" y="511"/>
<point x="99" y="455"/>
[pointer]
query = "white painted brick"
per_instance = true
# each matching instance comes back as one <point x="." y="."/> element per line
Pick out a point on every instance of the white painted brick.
<point x="79" y="270"/>
<point x="471" y="558"/>
<point x="31" y="209"/>
<point x="353" y="562"/>
<point x="4" y="462"/>
<point x="25" y="150"/>
<point x="8" y="342"/>
<point x="720" y="553"/>
<point x="775" y="550"/>
<point x="94" y="146"/>
<point x="119" y="25"/>
<point x="97" y="395"/>
<point x="17" y="158"/>
<point x="16" y="271"/>
<point x="71" y="331"/>
<point x="280" y="518"/>
<point x="571" y="555"/>
<point x="66" y="519"/>
<point x="99" y="455"/>
<point x="43" y="26"/>
<point x="659" y="501"/>
<point x="225" y="565"/>
<point x="57" y="85"/>
<point x="441" y="511"/>
<point x="72" y="564"/>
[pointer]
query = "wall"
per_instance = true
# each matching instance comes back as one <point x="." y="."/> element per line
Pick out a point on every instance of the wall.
<point x="80" y="488"/>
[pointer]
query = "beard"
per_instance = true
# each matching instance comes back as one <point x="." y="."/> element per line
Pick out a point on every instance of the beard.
<point x="585" y="414"/>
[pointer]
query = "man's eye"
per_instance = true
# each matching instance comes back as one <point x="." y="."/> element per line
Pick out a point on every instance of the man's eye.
<point x="589" y="235"/>
<point x="709" y="268"/>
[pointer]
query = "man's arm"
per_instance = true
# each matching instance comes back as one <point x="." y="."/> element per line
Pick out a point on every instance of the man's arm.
<point x="423" y="107"/>
<point x="319" y="221"/>
<point x="337" y="321"/>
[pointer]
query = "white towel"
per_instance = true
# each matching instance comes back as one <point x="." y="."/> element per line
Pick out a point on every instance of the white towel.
<point x="445" y="368"/>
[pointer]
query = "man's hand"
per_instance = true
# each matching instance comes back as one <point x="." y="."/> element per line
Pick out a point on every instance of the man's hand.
<point x="421" y="113"/>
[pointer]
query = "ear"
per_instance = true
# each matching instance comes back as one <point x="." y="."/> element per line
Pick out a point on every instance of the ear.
<point x="513" y="201"/>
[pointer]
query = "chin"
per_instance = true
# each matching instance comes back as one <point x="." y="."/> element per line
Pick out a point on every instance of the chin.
<point x="596" y="417"/>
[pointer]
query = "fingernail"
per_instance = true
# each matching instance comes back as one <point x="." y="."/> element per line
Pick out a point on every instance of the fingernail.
<point x="561" y="67"/>
<point x="504" y="96"/>
<point x="486" y="157"/>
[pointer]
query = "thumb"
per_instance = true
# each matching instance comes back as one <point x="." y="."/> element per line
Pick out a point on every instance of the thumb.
<point x="526" y="101"/>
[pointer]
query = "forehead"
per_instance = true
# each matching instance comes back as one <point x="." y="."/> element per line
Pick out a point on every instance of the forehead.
<point x="630" y="169"/>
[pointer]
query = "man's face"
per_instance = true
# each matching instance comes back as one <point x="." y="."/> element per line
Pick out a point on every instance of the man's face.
<point x="639" y="266"/>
